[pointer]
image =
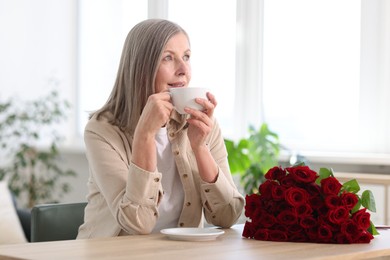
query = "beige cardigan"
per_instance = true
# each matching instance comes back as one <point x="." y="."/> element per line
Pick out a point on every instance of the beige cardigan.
<point x="123" y="199"/>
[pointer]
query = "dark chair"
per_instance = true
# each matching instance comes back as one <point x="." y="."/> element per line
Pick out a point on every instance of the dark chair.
<point x="24" y="216"/>
<point x="51" y="222"/>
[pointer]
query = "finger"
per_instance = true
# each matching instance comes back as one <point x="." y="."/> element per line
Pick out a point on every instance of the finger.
<point x="212" y="99"/>
<point x="208" y="106"/>
<point x="198" y="115"/>
<point x="202" y="126"/>
<point x="166" y="96"/>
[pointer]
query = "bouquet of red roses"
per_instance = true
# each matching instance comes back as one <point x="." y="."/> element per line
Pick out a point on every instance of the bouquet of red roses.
<point x="297" y="204"/>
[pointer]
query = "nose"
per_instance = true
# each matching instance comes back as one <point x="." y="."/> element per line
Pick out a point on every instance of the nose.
<point x="182" y="68"/>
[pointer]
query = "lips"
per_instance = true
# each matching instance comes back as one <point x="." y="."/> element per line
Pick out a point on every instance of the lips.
<point x="177" y="84"/>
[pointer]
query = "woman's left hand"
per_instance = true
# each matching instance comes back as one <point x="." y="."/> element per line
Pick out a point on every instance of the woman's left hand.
<point x="201" y="122"/>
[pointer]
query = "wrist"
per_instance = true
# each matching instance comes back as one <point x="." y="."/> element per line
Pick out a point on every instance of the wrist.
<point x="200" y="149"/>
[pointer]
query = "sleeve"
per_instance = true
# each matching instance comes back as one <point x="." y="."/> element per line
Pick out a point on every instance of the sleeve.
<point x="222" y="202"/>
<point x="131" y="193"/>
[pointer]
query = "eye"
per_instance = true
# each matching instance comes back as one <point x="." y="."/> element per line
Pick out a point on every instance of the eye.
<point x="168" y="57"/>
<point x="186" y="57"/>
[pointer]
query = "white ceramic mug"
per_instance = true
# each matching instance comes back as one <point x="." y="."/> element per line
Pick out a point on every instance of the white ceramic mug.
<point x="185" y="97"/>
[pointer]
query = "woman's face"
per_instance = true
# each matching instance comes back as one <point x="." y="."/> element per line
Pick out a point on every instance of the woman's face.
<point x="174" y="70"/>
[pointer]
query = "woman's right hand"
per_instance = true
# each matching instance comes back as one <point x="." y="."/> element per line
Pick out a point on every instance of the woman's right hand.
<point x="154" y="115"/>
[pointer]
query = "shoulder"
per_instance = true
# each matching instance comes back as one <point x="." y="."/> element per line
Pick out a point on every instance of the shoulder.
<point x="102" y="137"/>
<point x="99" y="125"/>
<point x="102" y="127"/>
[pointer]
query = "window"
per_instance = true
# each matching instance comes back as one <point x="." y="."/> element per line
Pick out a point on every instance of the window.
<point x="314" y="70"/>
<point x="311" y="67"/>
<point x="324" y="82"/>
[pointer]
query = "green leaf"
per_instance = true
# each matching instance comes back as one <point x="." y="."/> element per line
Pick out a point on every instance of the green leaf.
<point x="351" y="186"/>
<point x="323" y="174"/>
<point x="372" y="229"/>
<point x="368" y="200"/>
<point x="299" y="164"/>
<point x="357" y="206"/>
<point x="251" y="157"/>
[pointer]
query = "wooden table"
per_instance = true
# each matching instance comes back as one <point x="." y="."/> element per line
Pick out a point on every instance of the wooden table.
<point x="230" y="245"/>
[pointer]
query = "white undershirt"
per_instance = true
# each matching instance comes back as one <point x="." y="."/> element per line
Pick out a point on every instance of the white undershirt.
<point x="172" y="201"/>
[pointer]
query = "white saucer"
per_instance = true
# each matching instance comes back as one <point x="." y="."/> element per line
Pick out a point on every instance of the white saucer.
<point x="192" y="234"/>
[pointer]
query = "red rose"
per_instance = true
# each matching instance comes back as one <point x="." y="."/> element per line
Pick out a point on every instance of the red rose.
<point x="330" y="185"/>
<point x="308" y="222"/>
<point x="266" y="220"/>
<point x="261" y="234"/>
<point x="325" y="233"/>
<point x="270" y="206"/>
<point x="364" y="237"/>
<point x="276" y="235"/>
<point x="316" y="203"/>
<point x="275" y="173"/>
<point x="298" y="237"/>
<point x="249" y="230"/>
<point x="290" y="206"/>
<point x="362" y="219"/>
<point x="252" y="203"/>
<point x="295" y="228"/>
<point x="338" y="215"/>
<point x="265" y="189"/>
<point x="312" y="233"/>
<point x="349" y="200"/>
<point x="281" y="227"/>
<point x="277" y="192"/>
<point x="313" y="189"/>
<point x="287" y="217"/>
<point x="303" y="210"/>
<point x="287" y="181"/>
<point x="350" y="228"/>
<point x="296" y="196"/>
<point x="342" y="238"/>
<point x="282" y="206"/>
<point x="332" y="201"/>
<point x="302" y="174"/>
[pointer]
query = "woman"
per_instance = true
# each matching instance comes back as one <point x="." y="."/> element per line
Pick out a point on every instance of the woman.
<point x="150" y="167"/>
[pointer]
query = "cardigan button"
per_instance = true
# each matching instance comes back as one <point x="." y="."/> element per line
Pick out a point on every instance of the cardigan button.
<point x="188" y="204"/>
<point x="177" y="152"/>
<point x="207" y="190"/>
<point x="185" y="175"/>
<point x="156" y="179"/>
<point x="181" y="224"/>
<point x="171" y="134"/>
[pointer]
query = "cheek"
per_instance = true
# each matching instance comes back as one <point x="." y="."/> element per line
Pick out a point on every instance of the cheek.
<point x="189" y="72"/>
<point x="162" y="74"/>
<point x="161" y="80"/>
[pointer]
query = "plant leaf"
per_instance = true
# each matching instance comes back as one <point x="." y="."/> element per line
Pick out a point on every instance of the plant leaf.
<point x="357" y="206"/>
<point x="368" y="200"/>
<point x="323" y="174"/>
<point x="372" y="229"/>
<point x="351" y="186"/>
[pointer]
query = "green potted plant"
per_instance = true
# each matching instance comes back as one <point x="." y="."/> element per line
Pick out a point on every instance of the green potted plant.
<point x="253" y="156"/>
<point x="33" y="173"/>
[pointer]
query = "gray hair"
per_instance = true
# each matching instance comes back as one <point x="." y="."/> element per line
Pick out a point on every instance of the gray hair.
<point x="135" y="81"/>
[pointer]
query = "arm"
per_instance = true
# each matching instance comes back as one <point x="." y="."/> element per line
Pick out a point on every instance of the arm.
<point x="222" y="202"/>
<point x="130" y="193"/>
<point x="201" y="124"/>
<point x="154" y="116"/>
<point x="126" y="176"/>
